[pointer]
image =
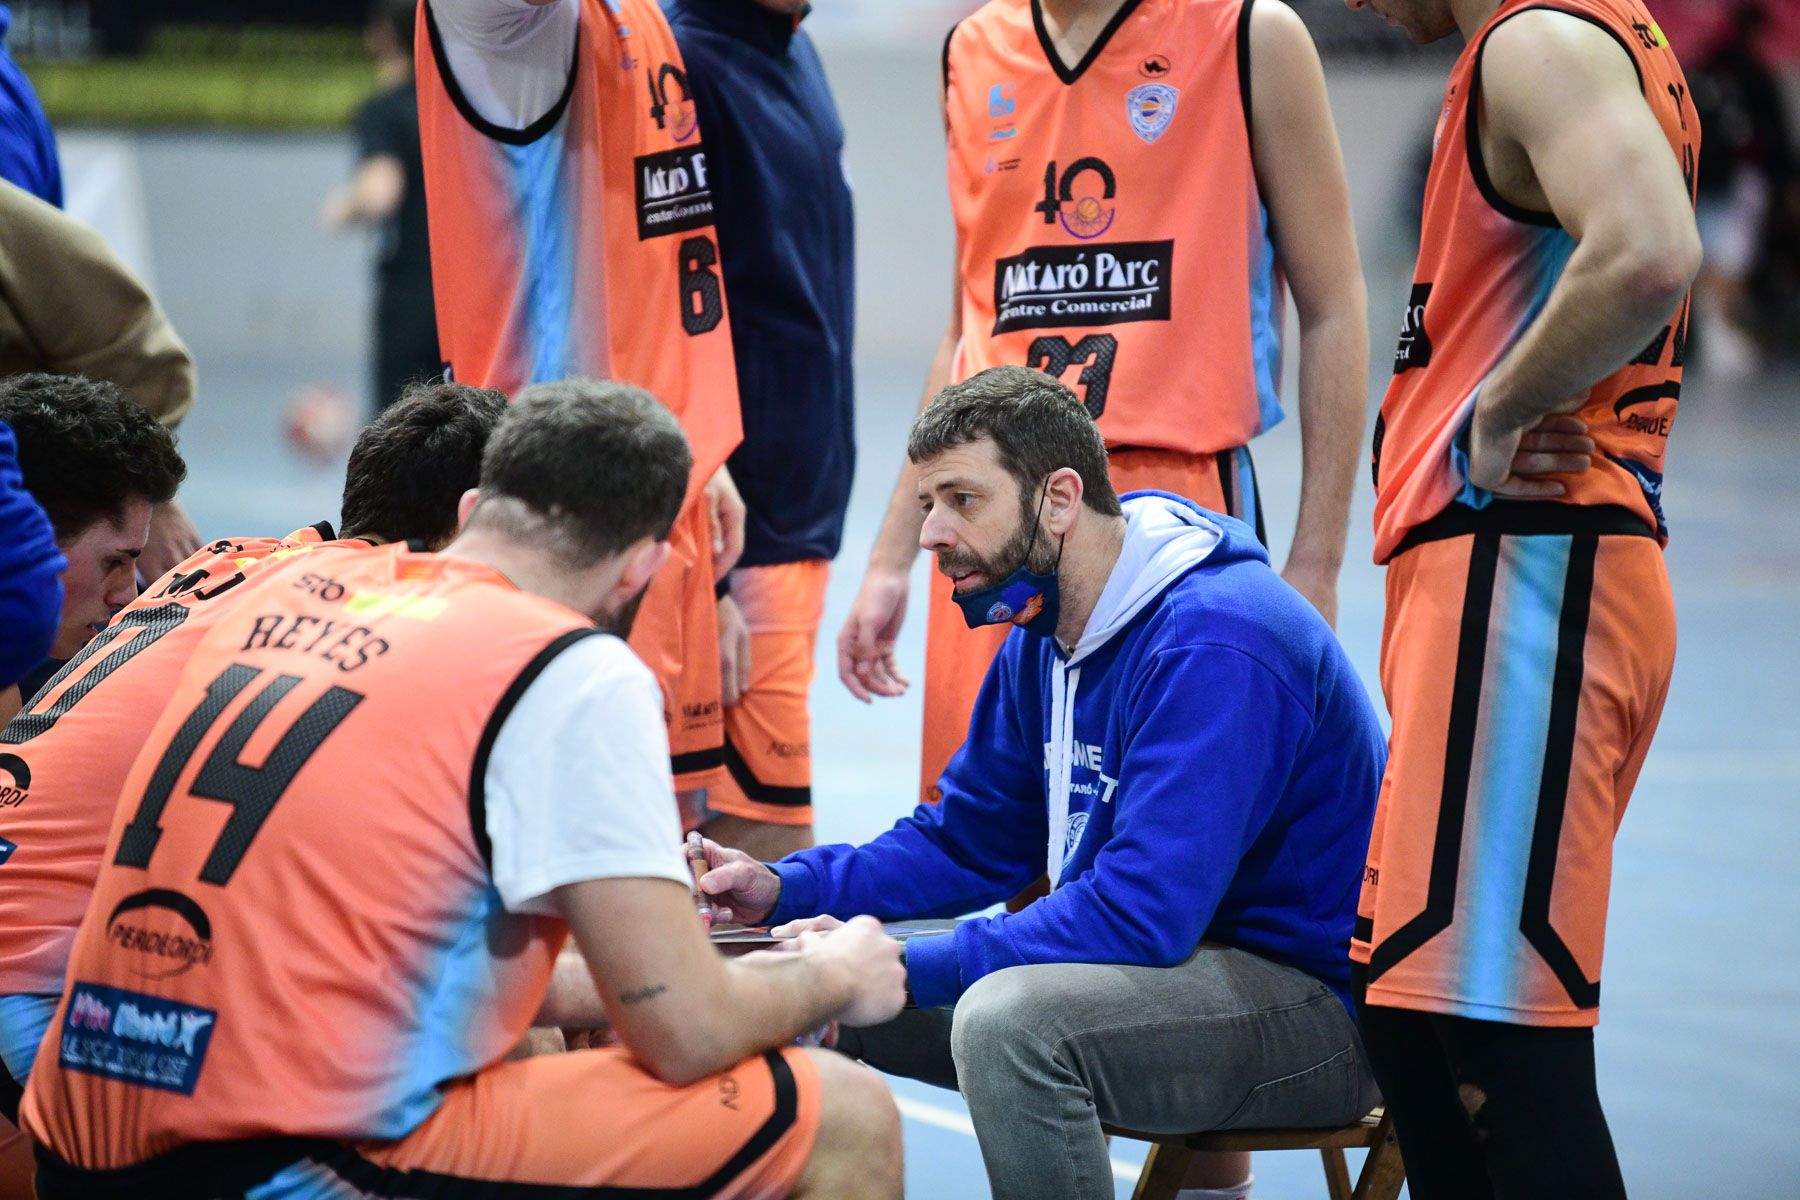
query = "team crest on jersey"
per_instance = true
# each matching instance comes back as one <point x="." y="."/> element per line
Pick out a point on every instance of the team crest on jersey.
<point x="1151" y="107"/>
<point x="671" y="104"/>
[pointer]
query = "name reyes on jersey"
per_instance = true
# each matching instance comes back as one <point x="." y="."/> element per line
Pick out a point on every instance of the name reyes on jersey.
<point x="674" y="192"/>
<point x="1048" y="287"/>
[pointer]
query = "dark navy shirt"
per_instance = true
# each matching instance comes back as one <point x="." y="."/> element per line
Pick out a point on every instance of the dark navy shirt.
<point x="774" y="148"/>
<point x="27" y="147"/>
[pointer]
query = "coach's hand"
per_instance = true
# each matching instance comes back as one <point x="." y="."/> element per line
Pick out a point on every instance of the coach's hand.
<point x="739" y="888"/>
<point x="725" y="514"/>
<point x="866" y="660"/>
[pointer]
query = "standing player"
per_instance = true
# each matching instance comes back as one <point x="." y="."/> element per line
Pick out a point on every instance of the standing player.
<point x="570" y="204"/>
<point x="1131" y="180"/>
<point x="342" y="1033"/>
<point x="775" y="154"/>
<point x="1530" y="630"/>
<point x="66" y="756"/>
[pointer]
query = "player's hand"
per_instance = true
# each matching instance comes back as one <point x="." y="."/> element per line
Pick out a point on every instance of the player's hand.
<point x="871" y="960"/>
<point x="819" y="924"/>
<point x="172" y="538"/>
<point x="866" y="660"/>
<point x="725" y="516"/>
<point x="1517" y="463"/>
<point x="734" y="651"/>
<point x="739" y="888"/>
<point x="1318" y="582"/>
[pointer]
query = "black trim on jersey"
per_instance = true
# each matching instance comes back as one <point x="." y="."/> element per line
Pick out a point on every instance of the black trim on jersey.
<point x="1262" y="534"/>
<point x="1243" y="63"/>
<point x="1459" y="757"/>
<point x="1553" y="791"/>
<point x="485" y="747"/>
<point x="944" y="61"/>
<point x="481" y="125"/>
<point x="1527" y="518"/>
<point x="1363" y="929"/>
<point x="697" y="760"/>
<point x="1472" y="123"/>
<point x="324" y="530"/>
<point x="755" y="789"/>
<point x="1087" y="60"/>
<point x="12" y="1094"/>
<point x="1222" y="462"/>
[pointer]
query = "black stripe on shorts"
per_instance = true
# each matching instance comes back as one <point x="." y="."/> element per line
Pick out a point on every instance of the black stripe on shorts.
<point x="1553" y="790"/>
<point x="755" y="789"/>
<point x="1459" y="755"/>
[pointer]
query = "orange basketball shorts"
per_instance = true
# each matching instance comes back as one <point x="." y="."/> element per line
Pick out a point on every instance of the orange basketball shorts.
<point x="957" y="657"/>
<point x="1525" y="675"/>
<point x="677" y="636"/>
<point x="768" y="732"/>
<point x="590" y="1122"/>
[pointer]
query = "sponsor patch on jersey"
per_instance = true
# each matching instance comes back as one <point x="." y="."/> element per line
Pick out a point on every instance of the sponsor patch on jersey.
<point x="1049" y="287"/>
<point x="674" y="192"/>
<point x="17" y="788"/>
<point x="135" y="1038"/>
<point x="1150" y="107"/>
<point x="6" y="850"/>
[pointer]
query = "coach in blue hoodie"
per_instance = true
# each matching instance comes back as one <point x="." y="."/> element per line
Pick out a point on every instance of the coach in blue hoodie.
<point x="1178" y="741"/>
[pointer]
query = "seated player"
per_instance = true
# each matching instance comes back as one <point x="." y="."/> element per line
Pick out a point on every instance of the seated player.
<point x="1177" y="740"/>
<point x="65" y="757"/>
<point x="384" y="791"/>
<point x="97" y="463"/>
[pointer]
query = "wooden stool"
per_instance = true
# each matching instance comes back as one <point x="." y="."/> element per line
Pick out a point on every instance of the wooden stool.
<point x="1381" y="1177"/>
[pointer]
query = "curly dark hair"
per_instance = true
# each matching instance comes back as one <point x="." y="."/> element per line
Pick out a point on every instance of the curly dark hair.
<point x="584" y="467"/>
<point x="86" y="448"/>
<point x="1037" y="427"/>
<point x="414" y="461"/>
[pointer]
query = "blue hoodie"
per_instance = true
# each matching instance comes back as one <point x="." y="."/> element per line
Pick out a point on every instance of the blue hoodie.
<point x="31" y="568"/>
<point x="1203" y="765"/>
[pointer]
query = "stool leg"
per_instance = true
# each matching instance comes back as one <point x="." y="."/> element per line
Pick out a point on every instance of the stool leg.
<point x="1337" y="1173"/>
<point x="1163" y="1172"/>
<point x="1383" y="1171"/>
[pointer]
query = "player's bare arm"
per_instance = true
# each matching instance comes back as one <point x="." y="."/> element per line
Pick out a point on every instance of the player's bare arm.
<point x="685" y="1012"/>
<point x="866" y="642"/>
<point x="1300" y="171"/>
<point x="1567" y="130"/>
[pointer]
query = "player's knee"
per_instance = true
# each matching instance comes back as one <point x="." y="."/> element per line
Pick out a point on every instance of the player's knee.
<point x="859" y="1126"/>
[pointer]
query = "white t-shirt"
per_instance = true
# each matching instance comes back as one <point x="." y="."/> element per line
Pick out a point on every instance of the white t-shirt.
<point x="510" y="58"/>
<point x="578" y="784"/>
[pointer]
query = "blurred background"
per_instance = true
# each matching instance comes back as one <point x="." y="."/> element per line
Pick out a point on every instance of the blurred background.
<point x="210" y="142"/>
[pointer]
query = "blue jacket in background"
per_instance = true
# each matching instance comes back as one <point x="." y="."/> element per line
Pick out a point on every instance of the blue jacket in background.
<point x="781" y="204"/>
<point x="27" y="147"/>
<point x="31" y="570"/>
<point x="1204" y="765"/>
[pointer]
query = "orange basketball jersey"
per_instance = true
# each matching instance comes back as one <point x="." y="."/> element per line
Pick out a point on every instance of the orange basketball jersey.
<point x="1486" y="269"/>
<point x="321" y="841"/>
<point x="583" y="245"/>
<point x="1109" y="227"/>
<point x="66" y="755"/>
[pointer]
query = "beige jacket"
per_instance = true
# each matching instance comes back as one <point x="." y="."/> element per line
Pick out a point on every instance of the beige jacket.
<point x="70" y="307"/>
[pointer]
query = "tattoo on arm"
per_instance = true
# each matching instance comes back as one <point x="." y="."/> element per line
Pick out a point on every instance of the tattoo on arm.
<point x="642" y="994"/>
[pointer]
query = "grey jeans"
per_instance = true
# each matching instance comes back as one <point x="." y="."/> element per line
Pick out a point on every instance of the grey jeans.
<point x="1044" y="1054"/>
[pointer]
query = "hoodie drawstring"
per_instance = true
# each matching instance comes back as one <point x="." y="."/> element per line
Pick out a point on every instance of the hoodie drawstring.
<point x="1064" y="683"/>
